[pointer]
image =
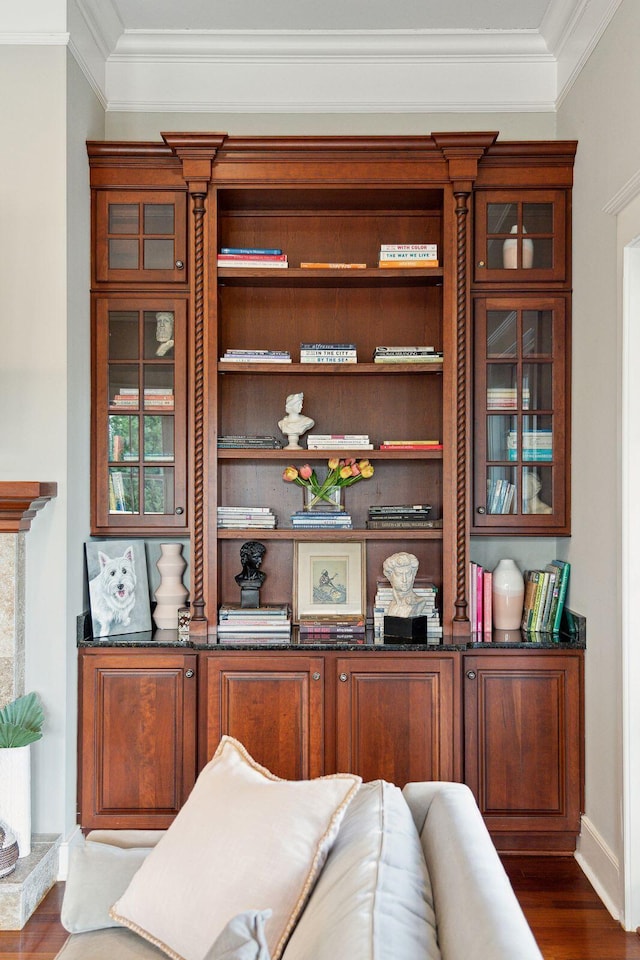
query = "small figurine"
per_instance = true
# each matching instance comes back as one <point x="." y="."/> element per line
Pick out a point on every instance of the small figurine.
<point x="251" y="578"/>
<point x="531" y="486"/>
<point x="164" y="333"/>
<point x="294" y="424"/>
<point x="400" y="569"/>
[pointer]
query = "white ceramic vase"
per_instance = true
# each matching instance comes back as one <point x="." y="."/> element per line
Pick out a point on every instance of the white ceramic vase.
<point x="172" y="593"/>
<point x="507" y="595"/>
<point x="510" y="252"/>
<point x="15" y="794"/>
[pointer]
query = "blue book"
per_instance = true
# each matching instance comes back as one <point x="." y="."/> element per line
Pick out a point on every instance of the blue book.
<point x="263" y="251"/>
<point x="564" y="567"/>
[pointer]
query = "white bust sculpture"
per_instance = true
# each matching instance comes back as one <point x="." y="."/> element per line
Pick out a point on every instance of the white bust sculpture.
<point x="531" y="486"/>
<point x="400" y="570"/>
<point x="164" y="333"/>
<point x="294" y="424"/>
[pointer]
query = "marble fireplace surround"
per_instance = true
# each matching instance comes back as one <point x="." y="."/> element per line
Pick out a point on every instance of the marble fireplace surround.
<point x="20" y="500"/>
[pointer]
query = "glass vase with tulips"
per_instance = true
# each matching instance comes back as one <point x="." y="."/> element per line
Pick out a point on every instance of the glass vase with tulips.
<point x="340" y="473"/>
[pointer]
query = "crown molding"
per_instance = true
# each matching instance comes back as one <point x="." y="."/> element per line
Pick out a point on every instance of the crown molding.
<point x="573" y="43"/>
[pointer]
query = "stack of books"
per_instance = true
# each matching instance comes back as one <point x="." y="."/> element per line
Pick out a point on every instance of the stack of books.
<point x="321" y="520"/>
<point x="129" y="397"/>
<point x="270" y="623"/>
<point x="254" y="257"/>
<point x="506" y="398"/>
<point x="339" y="441"/>
<point x="480" y="601"/>
<point x="545" y="592"/>
<point x="329" y="630"/>
<point x="410" y="445"/>
<point x="396" y="255"/>
<point x="500" y="497"/>
<point x="235" y="441"/>
<point x="328" y="353"/>
<point x="536" y="445"/>
<point x="391" y="516"/>
<point x="423" y="588"/>
<point x="406" y="354"/>
<point x="256" y="356"/>
<point x="249" y="518"/>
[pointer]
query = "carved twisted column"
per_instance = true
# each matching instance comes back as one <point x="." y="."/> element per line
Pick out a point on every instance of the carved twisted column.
<point x="199" y="512"/>
<point x="462" y="211"/>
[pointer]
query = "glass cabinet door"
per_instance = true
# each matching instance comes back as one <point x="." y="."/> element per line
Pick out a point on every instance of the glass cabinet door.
<point x="520" y="434"/>
<point x="520" y="237"/>
<point x="140" y="236"/>
<point x="140" y="414"/>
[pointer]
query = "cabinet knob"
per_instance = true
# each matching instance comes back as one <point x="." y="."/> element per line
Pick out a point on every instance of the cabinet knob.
<point x="189" y="673"/>
<point x="343" y="678"/>
<point x="179" y="511"/>
<point x="482" y="509"/>
<point x="180" y="264"/>
<point x="471" y="674"/>
<point x="481" y="263"/>
<point x="315" y="676"/>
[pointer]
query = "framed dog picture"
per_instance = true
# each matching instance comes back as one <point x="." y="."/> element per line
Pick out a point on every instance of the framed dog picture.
<point x="329" y="579"/>
<point x="118" y="587"/>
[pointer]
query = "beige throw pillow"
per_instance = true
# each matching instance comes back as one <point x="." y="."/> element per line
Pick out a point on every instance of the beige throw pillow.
<point x="244" y="840"/>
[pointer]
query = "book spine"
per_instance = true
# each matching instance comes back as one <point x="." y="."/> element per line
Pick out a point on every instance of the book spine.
<point x="410" y="446"/>
<point x="272" y="257"/>
<point x="261" y="264"/>
<point x="401" y="255"/>
<point x="408" y="264"/>
<point x="488" y="604"/>
<point x="479" y="598"/>
<point x="425" y="247"/>
<point x="564" y="583"/>
<point x="258" y="251"/>
<point x="543" y="582"/>
<point x="326" y="265"/>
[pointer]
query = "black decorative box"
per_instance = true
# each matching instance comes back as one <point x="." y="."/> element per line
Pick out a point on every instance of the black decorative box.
<point x="401" y="629"/>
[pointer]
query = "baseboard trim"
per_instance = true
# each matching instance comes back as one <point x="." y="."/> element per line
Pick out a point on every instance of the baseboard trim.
<point x="64" y="851"/>
<point x="601" y="868"/>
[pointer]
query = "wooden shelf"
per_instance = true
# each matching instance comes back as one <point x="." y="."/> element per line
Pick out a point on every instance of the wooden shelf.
<point x="346" y="369"/>
<point x="297" y="276"/>
<point x="244" y="453"/>
<point x="288" y="533"/>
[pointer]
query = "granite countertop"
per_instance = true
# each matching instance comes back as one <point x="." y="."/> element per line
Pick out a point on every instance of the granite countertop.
<point x="571" y="637"/>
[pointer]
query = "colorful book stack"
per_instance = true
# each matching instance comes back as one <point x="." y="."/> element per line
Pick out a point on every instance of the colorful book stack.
<point x="153" y="397"/>
<point x="235" y="441"/>
<point x="423" y="588"/>
<point x="544" y="597"/>
<point x="329" y="630"/>
<point x="398" y="255"/>
<point x="328" y="353"/>
<point x="339" y="441"/>
<point x="411" y="516"/>
<point x="536" y="445"/>
<point x="480" y="601"/>
<point x="321" y="520"/>
<point x="406" y="354"/>
<point x="266" y="624"/>
<point x="506" y="398"/>
<point x="500" y="496"/>
<point x="411" y="445"/>
<point x="256" y="356"/>
<point x="252" y="257"/>
<point x="249" y="518"/>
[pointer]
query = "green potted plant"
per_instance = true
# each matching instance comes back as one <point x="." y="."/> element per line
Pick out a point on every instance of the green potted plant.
<point x="21" y="723"/>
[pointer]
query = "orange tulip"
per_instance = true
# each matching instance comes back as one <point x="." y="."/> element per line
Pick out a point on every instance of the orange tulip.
<point x="290" y="474"/>
<point x="305" y="471"/>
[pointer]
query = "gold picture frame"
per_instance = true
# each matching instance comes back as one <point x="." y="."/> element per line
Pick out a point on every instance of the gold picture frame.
<point x="329" y="580"/>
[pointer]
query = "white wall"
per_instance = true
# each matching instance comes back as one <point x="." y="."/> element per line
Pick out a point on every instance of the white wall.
<point x="601" y="112"/>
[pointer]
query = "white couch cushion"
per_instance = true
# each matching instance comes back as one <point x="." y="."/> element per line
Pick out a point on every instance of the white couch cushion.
<point x="373" y="898"/>
<point x="98" y="875"/>
<point x="244" y="840"/>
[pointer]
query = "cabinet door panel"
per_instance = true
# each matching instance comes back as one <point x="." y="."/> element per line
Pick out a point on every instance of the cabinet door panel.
<point x="273" y="705"/>
<point x="138" y="739"/>
<point x="396" y="718"/>
<point x="522" y="741"/>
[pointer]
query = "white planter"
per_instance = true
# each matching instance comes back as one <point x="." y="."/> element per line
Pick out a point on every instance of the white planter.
<point x="508" y="595"/>
<point x="15" y="794"/>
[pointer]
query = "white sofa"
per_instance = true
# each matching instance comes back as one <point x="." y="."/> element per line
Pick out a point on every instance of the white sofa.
<point x="410" y="876"/>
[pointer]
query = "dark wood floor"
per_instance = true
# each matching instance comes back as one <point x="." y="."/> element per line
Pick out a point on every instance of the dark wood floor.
<point x="566" y="916"/>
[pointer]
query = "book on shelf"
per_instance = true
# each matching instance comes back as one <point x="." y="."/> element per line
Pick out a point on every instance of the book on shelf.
<point x="240" y="442"/>
<point x="258" y="251"/>
<point x="430" y="248"/>
<point x="410" y="445"/>
<point x="260" y="264"/>
<point x="480" y="602"/>
<point x="558" y="603"/>
<point x="405" y="351"/>
<point x="399" y="508"/>
<point x="326" y="265"/>
<point x="250" y="257"/>
<point x="339" y="445"/>
<point x="256" y="356"/>
<point x="265" y="610"/>
<point x="487" y="586"/>
<point x="347" y="437"/>
<point x="253" y="638"/>
<point x="329" y="352"/>
<point x="401" y="524"/>
<point x="407" y="264"/>
<point x="544" y="597"/>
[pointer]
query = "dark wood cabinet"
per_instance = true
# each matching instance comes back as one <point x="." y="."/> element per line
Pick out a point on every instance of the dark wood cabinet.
<point x="273" y="704"/>
<point x="398" y="717"/>
<point x="524" y="746"/>
<point x="137" y="737"/>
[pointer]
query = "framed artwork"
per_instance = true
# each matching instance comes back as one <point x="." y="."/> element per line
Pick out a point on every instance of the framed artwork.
<point x="118" y="587"/>
<point x="329" y="580"/>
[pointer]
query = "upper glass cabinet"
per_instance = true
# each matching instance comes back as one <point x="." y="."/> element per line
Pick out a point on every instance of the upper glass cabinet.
<point x="520" y="236"/>
<point x="140" y="236"/>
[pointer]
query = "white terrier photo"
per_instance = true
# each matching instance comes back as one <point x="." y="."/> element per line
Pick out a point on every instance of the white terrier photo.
<point x="113" y="592"/>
